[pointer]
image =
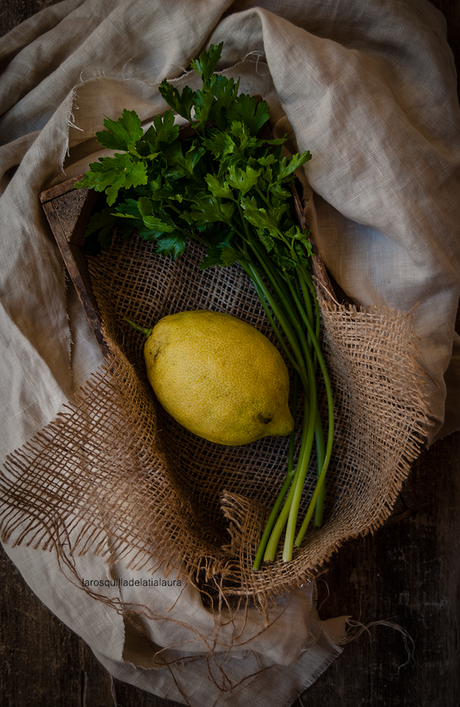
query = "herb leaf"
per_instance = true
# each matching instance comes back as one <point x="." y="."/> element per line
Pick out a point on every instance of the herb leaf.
<point x="288" y="165"/>
<point x="174" y="245"/>
<point x="182" y="103"/>
<point x="206" y="63"/>
<point x="210" y="209"/>
<point x="251" y="111"/>
<point x="110" y="174"/>
<point x="222" y="254"/>
<point x="163" y="130"/>
<point x="242" y="179"/>
<point x="121" y="134"/>
<point x="217" y="187"/>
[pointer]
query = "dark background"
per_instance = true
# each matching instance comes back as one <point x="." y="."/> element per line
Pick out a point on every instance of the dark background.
<point x="407" y="572"/>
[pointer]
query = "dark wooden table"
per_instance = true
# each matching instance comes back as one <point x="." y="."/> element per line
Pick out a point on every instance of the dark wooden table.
<point x="408" y="572"/>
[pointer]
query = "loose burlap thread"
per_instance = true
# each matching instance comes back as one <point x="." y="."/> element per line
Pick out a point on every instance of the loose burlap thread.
<point x="114" y="464"/>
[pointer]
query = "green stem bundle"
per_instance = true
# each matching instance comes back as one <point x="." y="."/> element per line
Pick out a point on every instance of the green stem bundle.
<point x="296" y="320"/>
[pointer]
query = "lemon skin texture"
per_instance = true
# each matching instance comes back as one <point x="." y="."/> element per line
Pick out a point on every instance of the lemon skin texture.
<point x="219" y="377"/>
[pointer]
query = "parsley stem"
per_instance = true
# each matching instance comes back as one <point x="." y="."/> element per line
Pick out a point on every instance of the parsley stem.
<point x="284" y="489"/>
<point x="306" y="349"/>
<point x="311" y="507"/>
<point x="319" y="438"/>
<point x="284" y="322"/>
<point x="276" y="281"/>
<point x="279" y="526"/>
<point x="283" y="292"/>
<point x="302" y="465"/>
<point x="273" y="530"/>
<point x="275" y="329"/>
<point x="271" y="545"/>
<point x="319" y="435"/>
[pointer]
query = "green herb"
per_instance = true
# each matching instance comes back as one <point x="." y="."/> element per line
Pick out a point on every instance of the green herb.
<point x="229" y="188"/>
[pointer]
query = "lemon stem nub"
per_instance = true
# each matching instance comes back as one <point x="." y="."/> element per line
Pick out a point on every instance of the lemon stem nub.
<point x="145" y="331"/>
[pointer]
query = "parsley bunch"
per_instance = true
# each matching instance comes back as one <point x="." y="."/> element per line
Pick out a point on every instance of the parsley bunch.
<point x="224" y="182"/>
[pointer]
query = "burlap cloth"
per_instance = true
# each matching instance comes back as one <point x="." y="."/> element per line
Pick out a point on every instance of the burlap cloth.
<point x="134" y="533"/>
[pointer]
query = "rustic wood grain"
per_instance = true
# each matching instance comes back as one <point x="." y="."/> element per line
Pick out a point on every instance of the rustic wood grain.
<point x="67" y="210"/>
<point x="407" y="572"/>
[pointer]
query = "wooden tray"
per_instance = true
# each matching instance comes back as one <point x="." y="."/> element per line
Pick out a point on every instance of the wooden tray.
<point x="67" y="210"/>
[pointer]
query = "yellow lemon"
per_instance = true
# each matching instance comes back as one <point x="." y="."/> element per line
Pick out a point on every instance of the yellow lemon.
<point x="219" y="377"/>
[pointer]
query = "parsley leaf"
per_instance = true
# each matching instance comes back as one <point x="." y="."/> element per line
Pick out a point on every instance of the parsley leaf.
<point x="182" y="103"/>
<point x="288" y="165"/>
<point x="154" y="223"/>
<point x="210" y="209"/>
<point x="242" y="179"/>
<point x="144" y="206"/>
<point x="110" y="174"/>
<point x="121" y="134"/>
<point x="217" y="187"/>
<point x="220" y="144"/>
<point x="263" y="218"/>
<point x="221" y="254"/>
<point x="180" y="164"/>
<point x="207" y="61"/>
<point x="129" y="208"/>
<point x="252" y="112"/>
<point x="163" y="130"/>
<point x="99" y="231"/>
<point x="174" y="245"/>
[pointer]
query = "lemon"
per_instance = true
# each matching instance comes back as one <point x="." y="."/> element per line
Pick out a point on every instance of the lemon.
<point x="219" y="377"/>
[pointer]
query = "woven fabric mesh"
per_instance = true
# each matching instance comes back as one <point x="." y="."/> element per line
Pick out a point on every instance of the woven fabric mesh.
<point x="116" y="464"/>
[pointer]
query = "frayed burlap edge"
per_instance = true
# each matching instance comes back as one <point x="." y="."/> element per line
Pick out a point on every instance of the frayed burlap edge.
<point x="92" y="470"/>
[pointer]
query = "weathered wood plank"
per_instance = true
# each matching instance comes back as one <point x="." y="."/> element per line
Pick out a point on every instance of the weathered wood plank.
<point x="68" y="233"/>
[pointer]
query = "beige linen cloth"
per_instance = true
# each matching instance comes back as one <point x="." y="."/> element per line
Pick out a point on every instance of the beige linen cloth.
<point x="369" y="87"/>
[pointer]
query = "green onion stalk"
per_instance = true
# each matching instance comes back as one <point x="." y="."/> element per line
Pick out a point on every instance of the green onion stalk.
<point x="227" y="184"/>
<point x="290" y="304"/>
